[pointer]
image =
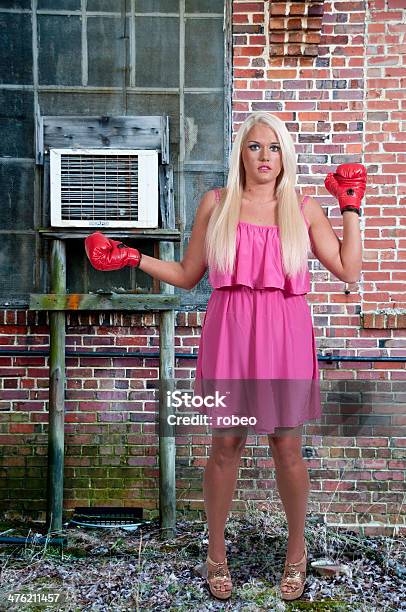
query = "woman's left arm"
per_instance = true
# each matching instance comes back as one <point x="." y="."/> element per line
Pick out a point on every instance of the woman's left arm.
<point x="343" y="258"/>
<point x="351" y="247"/>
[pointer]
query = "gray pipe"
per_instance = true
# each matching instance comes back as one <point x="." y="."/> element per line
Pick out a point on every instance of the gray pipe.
<point x="33" y="540"/>
<point x="155" y="355"/>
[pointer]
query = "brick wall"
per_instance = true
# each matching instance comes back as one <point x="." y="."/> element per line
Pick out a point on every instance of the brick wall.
<point x="333" y="72"/>
<point x="111" y="443"/>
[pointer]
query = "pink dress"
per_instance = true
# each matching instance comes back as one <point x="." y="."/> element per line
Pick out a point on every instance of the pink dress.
<point x="257" y="346"/>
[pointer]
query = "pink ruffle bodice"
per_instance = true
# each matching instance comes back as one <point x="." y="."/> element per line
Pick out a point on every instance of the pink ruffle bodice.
<point x="258" y="261"/>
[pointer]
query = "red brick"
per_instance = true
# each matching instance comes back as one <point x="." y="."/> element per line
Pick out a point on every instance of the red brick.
<point x="19" y="428"/>
<point x="247" y="7"/>
<point x="13" y="329"/>
<point x="394" y="4"/>
<point x="248" y="51"/>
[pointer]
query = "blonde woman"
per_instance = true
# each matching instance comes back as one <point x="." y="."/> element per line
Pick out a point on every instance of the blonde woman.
<point x="254" y="236"/>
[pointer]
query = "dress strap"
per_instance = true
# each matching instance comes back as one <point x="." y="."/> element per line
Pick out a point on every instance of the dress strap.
<point x="301" y="208"/>
<point x="217" y="193"/>
<point x="303" y="201"/>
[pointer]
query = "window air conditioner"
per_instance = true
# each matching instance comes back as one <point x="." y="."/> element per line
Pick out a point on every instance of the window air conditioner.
<point x="104" y="188"/>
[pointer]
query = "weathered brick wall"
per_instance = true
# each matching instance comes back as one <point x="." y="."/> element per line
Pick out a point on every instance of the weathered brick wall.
<point x="111" y="442"/>
<point x="335" y="73"/>
<point x="339" y="87"/>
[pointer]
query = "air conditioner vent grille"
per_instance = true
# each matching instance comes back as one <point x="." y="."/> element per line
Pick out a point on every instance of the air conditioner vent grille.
<point x="98" y="187"/>
<point x="104" y="188"/>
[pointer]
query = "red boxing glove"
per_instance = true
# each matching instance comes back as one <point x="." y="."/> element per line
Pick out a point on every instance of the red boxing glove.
<point x="348" y="184"/>
<point x="106" y="254"/>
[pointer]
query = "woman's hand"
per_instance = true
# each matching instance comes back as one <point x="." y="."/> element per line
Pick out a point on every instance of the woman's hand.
<point x="348" y="184"/>
<point x="106" y="254"/>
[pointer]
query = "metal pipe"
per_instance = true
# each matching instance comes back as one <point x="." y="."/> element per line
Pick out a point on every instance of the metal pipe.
<point x="156" y="355"/>
<point x="33" y="540"/>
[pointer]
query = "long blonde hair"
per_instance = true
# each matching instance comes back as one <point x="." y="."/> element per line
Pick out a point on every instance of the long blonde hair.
<point x="222" y="226"/>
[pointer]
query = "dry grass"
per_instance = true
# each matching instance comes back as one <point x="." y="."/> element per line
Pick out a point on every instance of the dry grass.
<point x="119" y="570"/>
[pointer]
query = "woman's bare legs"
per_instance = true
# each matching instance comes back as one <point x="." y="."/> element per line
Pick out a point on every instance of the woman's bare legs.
<point x="292" y="479"/>
<point x="220" y="477"/>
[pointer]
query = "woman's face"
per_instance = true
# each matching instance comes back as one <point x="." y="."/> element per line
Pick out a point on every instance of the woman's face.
<point x="261" y="155"/>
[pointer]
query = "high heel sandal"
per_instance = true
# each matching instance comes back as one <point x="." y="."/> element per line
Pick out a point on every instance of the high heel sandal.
<point x="294" y="578"/>
<point x="216" y="577"/>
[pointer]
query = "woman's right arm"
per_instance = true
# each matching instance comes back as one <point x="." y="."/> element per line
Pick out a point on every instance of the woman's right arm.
<point x="106" y="254"/>
<point x="188" y="272"/>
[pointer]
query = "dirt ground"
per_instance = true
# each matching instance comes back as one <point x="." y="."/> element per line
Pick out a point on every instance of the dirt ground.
<point x="115" y="569"/>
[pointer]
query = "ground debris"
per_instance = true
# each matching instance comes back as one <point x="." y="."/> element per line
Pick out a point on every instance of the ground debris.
<point x="103" y="570"/>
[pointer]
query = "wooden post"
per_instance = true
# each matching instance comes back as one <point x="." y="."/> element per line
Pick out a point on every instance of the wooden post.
<point x="167" y="479"/>
<point x="56" y="392"/>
